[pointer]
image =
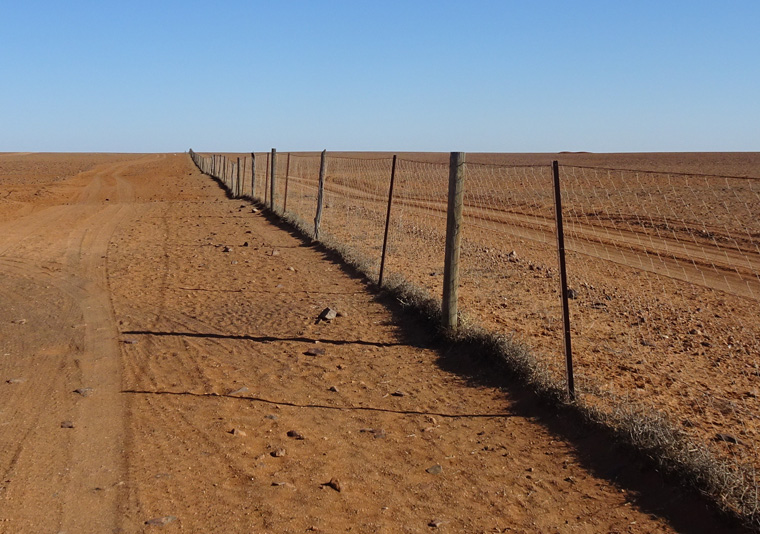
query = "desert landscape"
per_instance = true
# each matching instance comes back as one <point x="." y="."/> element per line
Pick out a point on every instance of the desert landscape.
<point x="163" y="366"/>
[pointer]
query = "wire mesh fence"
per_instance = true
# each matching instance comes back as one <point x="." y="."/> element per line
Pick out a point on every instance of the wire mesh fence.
<point x="663" y="273"/>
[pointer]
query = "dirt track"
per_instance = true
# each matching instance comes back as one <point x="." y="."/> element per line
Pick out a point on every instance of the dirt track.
<point x="189" y="317"/>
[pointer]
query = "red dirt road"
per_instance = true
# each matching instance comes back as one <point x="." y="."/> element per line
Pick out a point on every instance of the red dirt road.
<point x="154" y="355"/>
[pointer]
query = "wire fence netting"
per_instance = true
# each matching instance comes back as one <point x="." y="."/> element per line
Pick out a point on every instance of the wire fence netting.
<point x="663" y="272"/>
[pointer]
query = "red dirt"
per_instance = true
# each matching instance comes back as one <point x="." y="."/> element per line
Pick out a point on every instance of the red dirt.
<point x="190" y="317"/>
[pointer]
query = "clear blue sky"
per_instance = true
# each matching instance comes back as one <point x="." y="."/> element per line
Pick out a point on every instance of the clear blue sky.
<point x="504" y="76"/>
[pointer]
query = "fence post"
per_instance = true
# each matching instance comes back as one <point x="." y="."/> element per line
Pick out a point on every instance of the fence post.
<point x="273" y="183"/>
<point x="266" y="181"/>
<point x="563" y="282"/>
<point x="237" y="180"/>
<point x="320" y="195"/>
<point x="387" y="223"/>
<point x="287" y="179"/>
<point x="253" y="176"/>
<point x="453" y="240"/>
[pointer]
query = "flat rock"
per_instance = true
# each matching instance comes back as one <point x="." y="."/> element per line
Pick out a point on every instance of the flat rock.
<point x="67" y="424"/>
<point x="315" y="352"/>
<point x="238" y="432"/>
<point x="278" y="453"/>
<point x="238" y="391"/>
<point x="435" y="523"/>
<point x="160" y="521"/>
<point x="328" y="314"/>
<point x="436" y="469"/>
<point x="15" y="380"/>
<point x="84" y="392"/>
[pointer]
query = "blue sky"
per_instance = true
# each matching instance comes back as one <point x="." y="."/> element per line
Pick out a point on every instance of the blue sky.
<point x="498" y="76"/>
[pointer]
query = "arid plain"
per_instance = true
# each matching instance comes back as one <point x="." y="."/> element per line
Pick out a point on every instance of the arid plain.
<point x="162" y="368"/>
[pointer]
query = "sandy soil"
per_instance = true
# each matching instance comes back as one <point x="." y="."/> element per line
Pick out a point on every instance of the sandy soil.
<point x="162" y="369"/>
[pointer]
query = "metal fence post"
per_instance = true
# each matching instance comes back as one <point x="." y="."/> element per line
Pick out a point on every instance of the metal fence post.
<point x="563" y="282"/>
<point x="253" y="176"/>
<point x="387" y="223"/>
<point x="453" y="240"/>
<point x="287" y="179"/>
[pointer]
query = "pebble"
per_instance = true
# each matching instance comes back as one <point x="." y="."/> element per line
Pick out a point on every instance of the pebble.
<point x="275" y="253"/>
<point x="294" y="434"/>
<point x="334" y="484"/>
<point x="435" y="523"/>
<point x="436" y="469"/>
<point x="398" y="393"/>
<point x="238" y="391"/>
<point x="572" y="294"/>
<point x="238" y="432"/>
<point x="227" y="249"/>
<point x="314" y="352"/>
<point x="271" y="416"/>
<point x="278" y="453"/>
<point x="15" y="381"/>
<point x="84" y="392"/>
<point x="328" y="314"/>
<point x="67" y="424"/>
<point x="333" y="389"/>
<point x="130" y="342"/>
<point x="161" y="521"/>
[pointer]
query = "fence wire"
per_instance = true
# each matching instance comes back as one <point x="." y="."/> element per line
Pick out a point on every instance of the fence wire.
<point x="663" y="271"/>
<point x="666" y="273"/>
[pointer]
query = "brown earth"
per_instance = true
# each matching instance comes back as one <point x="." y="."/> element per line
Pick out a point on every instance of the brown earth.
<point x="158" y="342"/>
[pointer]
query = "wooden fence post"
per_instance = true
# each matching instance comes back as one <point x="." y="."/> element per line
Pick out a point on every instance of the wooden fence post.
<point x="273" y="183"/>
<point x="320" y="195"/>
<point x="287" y="179"/>
<point x="453" y="240"/>
<point x="253" y="176"/>
<point x="563" y="282"/>
<point x="387" y="223"/>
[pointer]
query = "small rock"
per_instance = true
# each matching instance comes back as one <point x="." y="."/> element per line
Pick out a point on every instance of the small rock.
<point x="435" y="523"/>
<point x="238" y="432"/>
<point x="20" y="321"/>
<point x="15" y="380"/>
<point x="67" y="424"/>
<point x="284" y="485"/>
<point x="315" y="352"/>
<point x="378" y="433"/>
<point x="84" y="392"/>
<point x="398" y="393"/>
<point x="278" y="453"/>
<point x="271" y="416"/>
<point x="328" y="314"/>
<point x="572" y="294"/>
<point x="254" y="210"/>
<point x="238" y="391"/>
<point x="728" y="438"/>
<point x="246" y="244"/>
<point x="227" y="249"/>
<point x="161" y="521"/>
<point x="334" y="484"/>
<point x="275" y="253"/>
<point x="130" y="342"/>
<point x="291" y="269"/>
<point x="333" y="389"/>
<point x="294" y="434"/>
<point x="436" y="469"/>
